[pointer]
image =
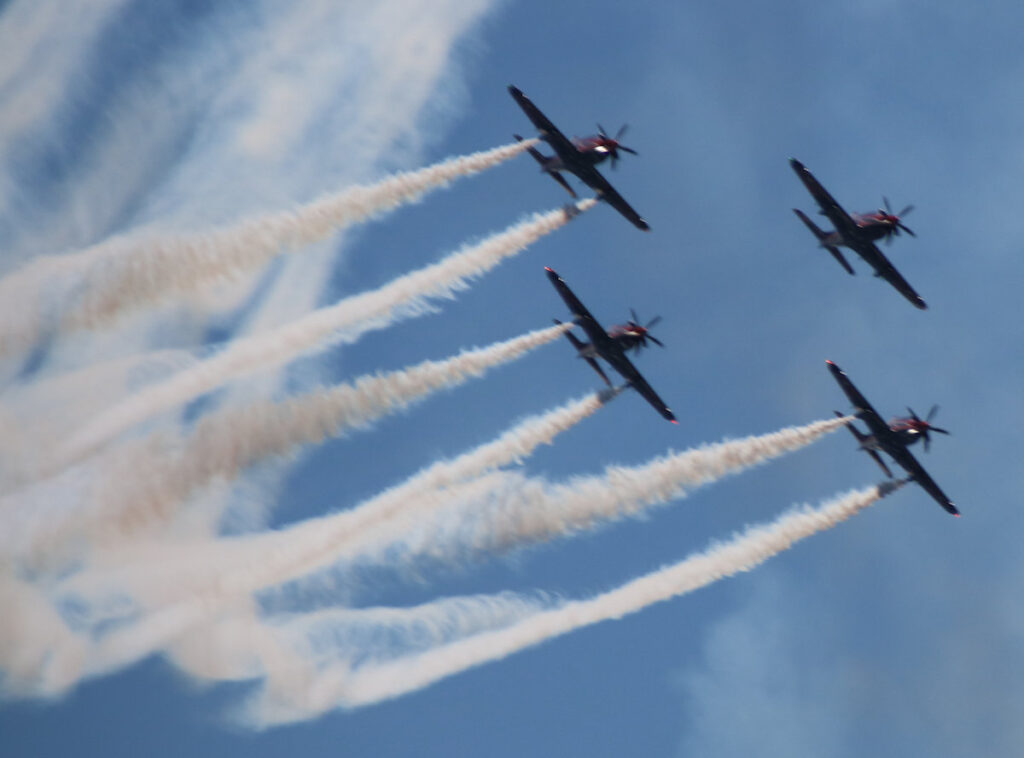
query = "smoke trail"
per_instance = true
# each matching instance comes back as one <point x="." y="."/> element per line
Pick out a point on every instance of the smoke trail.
<point x="235" y="566"/>
<point x="142" y="483"/>
<point x="346" y="320"/>
<point x="531" y="510"/>
<point x="372" y="683"/>
<point x="125" y="273"/>
<point x="319" y="543"/>
<point x="192" y="589"/>
<point x="212" y="651"/>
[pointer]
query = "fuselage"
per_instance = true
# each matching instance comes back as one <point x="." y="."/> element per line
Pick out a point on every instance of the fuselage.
<point x="871" y="227"/>
<point x="590" y="151"/>
<point x="906" y="430"/>
<point x="626" y="336"/>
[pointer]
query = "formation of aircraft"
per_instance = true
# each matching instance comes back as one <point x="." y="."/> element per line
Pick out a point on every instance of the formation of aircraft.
<point x="579" y="156"/>
<point x="611" y="345"/>
<point x="893" y="438"/>
<point x="857" y="231"/>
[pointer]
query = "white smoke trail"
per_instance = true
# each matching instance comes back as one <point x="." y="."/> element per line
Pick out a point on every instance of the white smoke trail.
<point x="236" y="566"/>
<point x="347" y="319"/>
<point x="319" y="543"/>
<point x="128" y="272"/>
<point x="342" y="686"/>
<point x="527" y="511"/>
<point x="143" y="483"/>
<point x="425" y="515"/>
<point x="211" y="651"/>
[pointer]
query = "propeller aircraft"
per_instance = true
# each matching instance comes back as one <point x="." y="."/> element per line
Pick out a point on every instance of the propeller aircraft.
<point x="612" y="345"/>
<point x="579" y="156"/>
<point x="859" y="232"/>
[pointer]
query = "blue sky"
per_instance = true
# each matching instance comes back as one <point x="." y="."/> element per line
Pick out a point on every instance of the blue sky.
<point x="893" y="634"/>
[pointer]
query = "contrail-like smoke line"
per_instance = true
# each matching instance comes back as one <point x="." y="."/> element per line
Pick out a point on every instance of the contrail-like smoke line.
<point x="125" y="273"/>
<point x="346" y="320"/>
<point x="744" y="552"/>
<point x="532" y="511"/>
<point x="503" y="513"/>
<point x="236" y="566"/>
<point x="319" y="543"/>
<point x="143" y="483"/>
<point x="190" y="594"/>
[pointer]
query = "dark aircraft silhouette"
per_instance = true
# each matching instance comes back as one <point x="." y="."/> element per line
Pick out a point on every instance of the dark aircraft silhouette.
<point x="893" y="438"/>
<point x="612" y="345"/>
<point x="579" y="156"/>
<point x="859" y="232"/>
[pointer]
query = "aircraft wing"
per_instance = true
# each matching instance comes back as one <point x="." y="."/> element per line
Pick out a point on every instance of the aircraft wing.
<point x="908" y="463"/>
<point x="840" y="219"/>
<point x="606" y="347"/>
<point x="869" y="252"/>
<point x="860" y="403"/>
<point x="547" y="130"/>
<point x="605" y="191"/>
<point x="624" y="366"/>
<point x="599" y="338"/>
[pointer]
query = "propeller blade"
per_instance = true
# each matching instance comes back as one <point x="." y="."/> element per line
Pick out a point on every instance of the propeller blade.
<point x="885" y="202"/>
<point x="601" y="131"/>
<point x="937" y="429"/>
<point x="655" y="340"/>
<point x="905" y="211"/>
<point x="904" y="227"/>
<point x="912" y="414"/>
<point x="629" y="150"/>
<point x="931" y="412"/>
<point x="652" y="322"/>
<point x="636" y="319"/>
<point x="622" y="130"/>
<point x="927" y="441"/>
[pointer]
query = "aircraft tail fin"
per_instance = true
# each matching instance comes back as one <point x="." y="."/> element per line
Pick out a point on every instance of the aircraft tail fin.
<point x="840" y="259"/>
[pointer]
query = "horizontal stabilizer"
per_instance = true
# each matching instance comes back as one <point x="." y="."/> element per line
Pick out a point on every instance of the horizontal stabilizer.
<point x="862" y="443"/>
<point x="840" y="259"/>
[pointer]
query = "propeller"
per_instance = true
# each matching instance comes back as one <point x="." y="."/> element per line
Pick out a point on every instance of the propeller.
<point x="612" y="143"/>
<point x="642" y="332"/>
<point x="925" y="426"/>
<point x="894" y="218"/>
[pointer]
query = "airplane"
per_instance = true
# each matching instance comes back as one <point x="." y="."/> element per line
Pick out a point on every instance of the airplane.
<point x="579" y="156"/>
<point x="893" y="438"/>
<point x="859" y="232"/>
<point x="612" y="345"/>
